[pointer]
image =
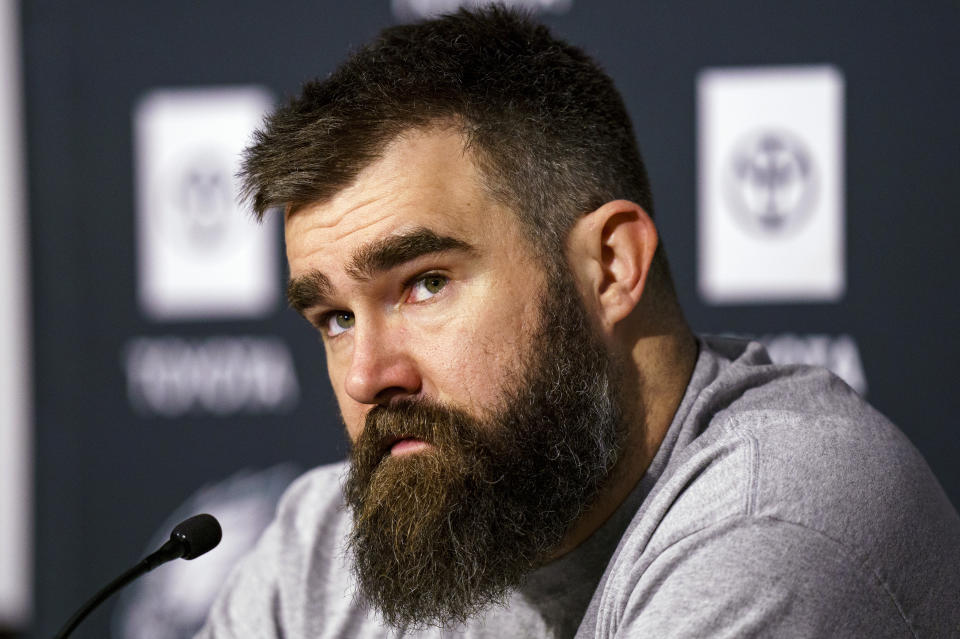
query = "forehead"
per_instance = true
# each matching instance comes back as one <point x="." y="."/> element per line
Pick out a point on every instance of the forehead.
<point x="424" y="178"/>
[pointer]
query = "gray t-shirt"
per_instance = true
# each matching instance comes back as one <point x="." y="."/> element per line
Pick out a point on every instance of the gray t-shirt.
<point x="779" y="504"/>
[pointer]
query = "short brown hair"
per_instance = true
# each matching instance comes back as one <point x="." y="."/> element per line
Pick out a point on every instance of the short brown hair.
<point x="545" y="125"/>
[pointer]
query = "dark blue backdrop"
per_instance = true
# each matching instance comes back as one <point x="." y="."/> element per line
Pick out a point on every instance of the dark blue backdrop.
<point x="108" y="475"/>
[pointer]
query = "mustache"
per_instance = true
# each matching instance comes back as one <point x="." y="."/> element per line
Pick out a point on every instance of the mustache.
<point x="437" y="424"/>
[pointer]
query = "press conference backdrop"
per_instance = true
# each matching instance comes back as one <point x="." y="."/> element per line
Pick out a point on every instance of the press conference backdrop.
<point x="804" y="162"/>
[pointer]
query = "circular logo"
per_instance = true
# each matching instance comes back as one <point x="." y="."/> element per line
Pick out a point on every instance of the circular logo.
<point x="771" y="182"/>
<point x="197" y="202"/>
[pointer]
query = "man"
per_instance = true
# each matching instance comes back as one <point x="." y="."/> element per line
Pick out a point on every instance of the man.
<point x="540" y="445"/>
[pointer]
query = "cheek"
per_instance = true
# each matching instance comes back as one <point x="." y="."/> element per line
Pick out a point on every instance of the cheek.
<point x="351" y="412"/>
<point x="353" y="416"/>
<point x="470" y="362"/>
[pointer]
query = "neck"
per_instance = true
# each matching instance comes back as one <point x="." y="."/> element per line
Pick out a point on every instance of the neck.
<point x="658" y="368"/>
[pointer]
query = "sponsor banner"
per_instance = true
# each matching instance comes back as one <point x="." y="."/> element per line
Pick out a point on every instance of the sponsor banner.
<point x="419" y="9"/>
<point x="220" y="376"/>
<point x="771" y="185"/>
<point x="200" y="255"/>
<point x="16" y="468"/>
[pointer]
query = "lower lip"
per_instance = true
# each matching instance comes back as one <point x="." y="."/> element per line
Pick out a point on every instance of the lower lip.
<point x="407" y="446"/>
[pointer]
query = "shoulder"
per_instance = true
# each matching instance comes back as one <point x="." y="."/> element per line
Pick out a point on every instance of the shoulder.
<point x="305" y="546"/>
<point x="312" y="504"/>
<point x="298" y="565"/>
<point x="797" y="443"/>
<point x="751" y="576"/>
<point x="785" y="473"/>
<point x="792" y="442"/>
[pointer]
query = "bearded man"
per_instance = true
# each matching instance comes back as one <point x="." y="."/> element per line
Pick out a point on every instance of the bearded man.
<point x="540" y="445"/>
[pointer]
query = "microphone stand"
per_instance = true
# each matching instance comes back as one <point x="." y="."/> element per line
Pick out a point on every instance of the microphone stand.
<point x="189" y="539"/>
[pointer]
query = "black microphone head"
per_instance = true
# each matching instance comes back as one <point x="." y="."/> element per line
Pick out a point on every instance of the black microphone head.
<point x="197" y="535"/>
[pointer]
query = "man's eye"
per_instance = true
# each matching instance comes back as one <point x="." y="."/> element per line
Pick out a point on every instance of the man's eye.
<point x="426" y="287"/>
<point x="339" y="322"/>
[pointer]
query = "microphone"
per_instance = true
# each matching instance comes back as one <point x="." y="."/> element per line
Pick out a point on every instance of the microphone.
<point x="189" y="539"/>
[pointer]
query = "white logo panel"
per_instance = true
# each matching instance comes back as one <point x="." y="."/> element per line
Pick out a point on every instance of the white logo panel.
<point x="200" y="255"/>
<point x="771" y="219"/>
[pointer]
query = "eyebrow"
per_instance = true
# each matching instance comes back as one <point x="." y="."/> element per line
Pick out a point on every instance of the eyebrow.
<point x="308" y="290"/>
<point x="389" y="252"/>
<point x="371" y="259"/>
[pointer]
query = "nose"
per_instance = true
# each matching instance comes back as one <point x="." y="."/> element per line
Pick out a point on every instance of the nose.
<point x="380" y="367"/>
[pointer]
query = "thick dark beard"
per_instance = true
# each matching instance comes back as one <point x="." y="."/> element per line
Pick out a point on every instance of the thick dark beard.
<point x="441" y="534"/>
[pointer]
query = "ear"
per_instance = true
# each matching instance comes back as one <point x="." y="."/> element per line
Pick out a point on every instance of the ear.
<point x="610" y="251"/>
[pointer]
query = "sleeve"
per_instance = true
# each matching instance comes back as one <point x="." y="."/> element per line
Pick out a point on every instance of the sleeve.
<point x="297" y="581"/>
<point x="248" y="604"/>
<point x="755" y="578"/>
